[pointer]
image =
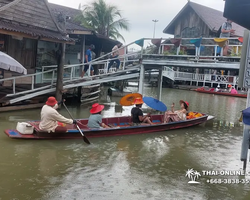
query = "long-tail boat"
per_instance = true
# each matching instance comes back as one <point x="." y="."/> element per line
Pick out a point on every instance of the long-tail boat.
<point x="119" y="126"/>
<point x="202" y="90"/>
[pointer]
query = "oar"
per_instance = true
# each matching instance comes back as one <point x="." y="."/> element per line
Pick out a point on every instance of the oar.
<point x="84" y="137"/>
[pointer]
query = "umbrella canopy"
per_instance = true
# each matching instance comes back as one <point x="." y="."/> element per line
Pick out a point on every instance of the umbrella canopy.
<point x="129" y="99"/>
<point x="155" y="104"/>
<point x="10" y="64"/>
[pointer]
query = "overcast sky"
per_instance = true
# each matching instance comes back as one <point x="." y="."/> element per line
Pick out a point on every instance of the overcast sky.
<point x="140" y="14"/>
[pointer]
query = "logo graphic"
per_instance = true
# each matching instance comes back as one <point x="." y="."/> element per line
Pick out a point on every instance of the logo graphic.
<point x="193" y="175"/>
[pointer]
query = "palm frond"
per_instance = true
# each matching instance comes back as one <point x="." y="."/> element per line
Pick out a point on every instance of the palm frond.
<point x="105" y="19"/>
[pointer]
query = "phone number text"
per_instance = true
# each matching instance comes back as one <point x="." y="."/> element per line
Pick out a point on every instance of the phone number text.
<point x="228" y="181"/>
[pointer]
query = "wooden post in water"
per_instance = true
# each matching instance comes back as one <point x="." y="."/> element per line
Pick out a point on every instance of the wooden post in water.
<point x="82" y="59"/>
<point x="160" y="77"/>
<point x="60" y="71"/>
<point x="141" y="81"/>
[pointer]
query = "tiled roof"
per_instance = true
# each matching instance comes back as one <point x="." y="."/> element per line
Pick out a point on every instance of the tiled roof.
<point x="69" y="12"/>
<point x="211" y="17"/>
<point x="31" y="17"/>
<point x="36" y="32"/>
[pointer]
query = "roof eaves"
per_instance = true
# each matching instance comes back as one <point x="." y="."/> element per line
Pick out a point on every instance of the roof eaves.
<point x="175" y="18"/>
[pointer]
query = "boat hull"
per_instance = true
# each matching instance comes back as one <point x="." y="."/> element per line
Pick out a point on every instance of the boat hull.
<point x="222" y="93"/>
<point x="124" y="128"/>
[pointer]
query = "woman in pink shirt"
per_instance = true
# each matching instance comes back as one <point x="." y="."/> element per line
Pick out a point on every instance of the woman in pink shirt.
<point x="234" y="91"/>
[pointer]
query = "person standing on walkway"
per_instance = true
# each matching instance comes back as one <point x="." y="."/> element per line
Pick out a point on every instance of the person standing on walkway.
<point x="114" y="56"/>
<point x="226" y="31"/>
<point x="88" y="58"/>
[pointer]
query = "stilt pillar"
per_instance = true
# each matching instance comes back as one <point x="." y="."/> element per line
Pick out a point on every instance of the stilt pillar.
<point x="141" y="80"/>
<point x="60" y="72"/>
<point x="160" y="78"/>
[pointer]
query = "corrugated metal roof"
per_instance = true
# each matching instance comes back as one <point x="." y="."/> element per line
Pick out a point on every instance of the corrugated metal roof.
<point x="211" y="17"/>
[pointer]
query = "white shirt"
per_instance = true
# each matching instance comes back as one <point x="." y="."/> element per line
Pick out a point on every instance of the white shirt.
<point x="116" y="51"/>
<point x="50" y="117"/>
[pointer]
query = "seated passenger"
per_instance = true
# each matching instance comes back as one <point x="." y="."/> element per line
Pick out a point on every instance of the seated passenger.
<point x="178" y="115"/>
<point x="137" y="114"/>
<point x="233" y="91"/>
<point x="95" y="119"/>
<point x="50" y="118"/>
<point x="218" y="89"/>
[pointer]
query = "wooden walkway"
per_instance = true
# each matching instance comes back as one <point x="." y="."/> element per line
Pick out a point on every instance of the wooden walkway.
<point x="41" y="94"/>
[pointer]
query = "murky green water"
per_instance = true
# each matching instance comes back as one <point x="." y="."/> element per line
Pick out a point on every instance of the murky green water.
<point x="151" y="166"/>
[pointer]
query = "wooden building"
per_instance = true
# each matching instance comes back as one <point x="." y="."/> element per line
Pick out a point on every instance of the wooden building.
<point x="82" y="36"/>
<point x="31" y="32"/>
<point x="196" y="20"/>
<point x="22" y="24"/>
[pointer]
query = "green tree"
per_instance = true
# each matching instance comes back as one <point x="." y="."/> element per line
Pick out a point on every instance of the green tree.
<point x="103" y="18"/>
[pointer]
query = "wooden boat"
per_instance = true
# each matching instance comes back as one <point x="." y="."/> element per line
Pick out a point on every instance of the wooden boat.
<point x="121" y="126"/>
<point x="221" y="93"/>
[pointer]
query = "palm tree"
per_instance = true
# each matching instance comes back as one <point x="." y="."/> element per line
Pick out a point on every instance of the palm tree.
<point x="196" y="175"/>
<point x="190" y="174"/>
<point x="103" y="18"/>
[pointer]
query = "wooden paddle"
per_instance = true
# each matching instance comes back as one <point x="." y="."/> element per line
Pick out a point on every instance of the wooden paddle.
<point x="84" y="137"/>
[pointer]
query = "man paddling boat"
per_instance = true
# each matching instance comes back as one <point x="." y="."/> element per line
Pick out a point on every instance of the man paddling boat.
<point x="50" y="118"/>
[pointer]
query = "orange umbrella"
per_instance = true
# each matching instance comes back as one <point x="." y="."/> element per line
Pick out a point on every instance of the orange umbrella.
<point x="129" y="99"/>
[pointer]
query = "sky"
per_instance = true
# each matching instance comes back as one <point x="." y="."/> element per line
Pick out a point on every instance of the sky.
<point x="140" y="14"/>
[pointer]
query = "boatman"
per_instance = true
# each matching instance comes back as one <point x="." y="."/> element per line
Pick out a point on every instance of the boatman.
<point x="137" y="114"/>
<point x="50" y="118"/>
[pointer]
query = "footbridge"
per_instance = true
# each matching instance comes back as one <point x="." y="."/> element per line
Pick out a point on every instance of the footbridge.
<point x="162" y="57"/>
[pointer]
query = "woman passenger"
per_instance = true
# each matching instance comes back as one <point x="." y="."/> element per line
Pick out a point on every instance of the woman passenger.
<point x="178" y="115"/>
<point x="95" y="119"/>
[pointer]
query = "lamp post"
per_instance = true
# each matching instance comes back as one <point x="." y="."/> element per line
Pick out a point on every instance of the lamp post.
<point x="155" y="21"/>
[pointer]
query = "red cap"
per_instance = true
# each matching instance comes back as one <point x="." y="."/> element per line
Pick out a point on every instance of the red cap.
<point x="51" y="101"/>
<point x="96" y="108"/>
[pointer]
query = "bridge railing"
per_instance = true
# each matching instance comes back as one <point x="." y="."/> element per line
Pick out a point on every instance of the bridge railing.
<point x="208" y="48"/>
<point x="212" y="78"/>
<point x="48" y="75"/>
<point x="15" y="82"/>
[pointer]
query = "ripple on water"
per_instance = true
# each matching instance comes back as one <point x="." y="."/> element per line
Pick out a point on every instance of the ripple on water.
<point x="141" y="167"/>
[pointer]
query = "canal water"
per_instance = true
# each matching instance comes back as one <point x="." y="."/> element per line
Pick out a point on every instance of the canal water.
<point x="138" y="167"/>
